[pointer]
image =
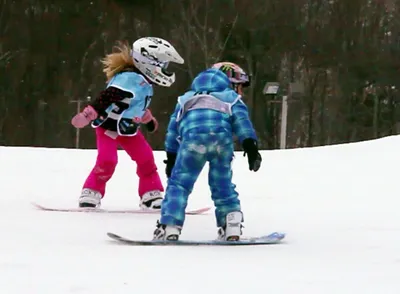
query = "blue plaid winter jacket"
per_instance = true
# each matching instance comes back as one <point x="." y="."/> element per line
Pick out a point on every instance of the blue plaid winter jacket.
<point x="215" y="83"/>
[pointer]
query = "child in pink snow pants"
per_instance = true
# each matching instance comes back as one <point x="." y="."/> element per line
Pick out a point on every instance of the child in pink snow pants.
<point x="119" y="112"/>
<point x="139" y="151"/>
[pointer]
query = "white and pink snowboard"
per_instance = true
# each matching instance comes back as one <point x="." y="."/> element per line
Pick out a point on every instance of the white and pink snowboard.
<point x="104" y="210"/>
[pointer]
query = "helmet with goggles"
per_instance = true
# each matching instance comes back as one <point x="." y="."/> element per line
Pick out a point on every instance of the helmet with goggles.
<point x="235" y="73"/>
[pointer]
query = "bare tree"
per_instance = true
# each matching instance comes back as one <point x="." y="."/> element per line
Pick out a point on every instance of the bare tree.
<point x="200" y="31"/>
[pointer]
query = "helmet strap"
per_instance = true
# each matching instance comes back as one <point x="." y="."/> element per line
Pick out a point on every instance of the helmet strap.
<point x="238" y="88"/>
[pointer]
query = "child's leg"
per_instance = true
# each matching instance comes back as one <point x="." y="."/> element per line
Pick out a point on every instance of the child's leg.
<point x="223" y="190"/>
<point x="141" y="152"/>
<point x="189" y="163"/>
<point x="107" y="159"/>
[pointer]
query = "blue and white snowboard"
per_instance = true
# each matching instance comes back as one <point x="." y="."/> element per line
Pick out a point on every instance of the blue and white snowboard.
<point x="273" y="238"/>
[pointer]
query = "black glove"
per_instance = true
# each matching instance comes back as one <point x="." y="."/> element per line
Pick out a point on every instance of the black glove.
<point x="170" y="162"/>
<point x="254" y="157"/>
<point x="151" y="126"/>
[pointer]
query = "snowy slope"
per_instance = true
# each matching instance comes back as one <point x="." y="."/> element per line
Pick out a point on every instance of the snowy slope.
<point x="339" y="205"/>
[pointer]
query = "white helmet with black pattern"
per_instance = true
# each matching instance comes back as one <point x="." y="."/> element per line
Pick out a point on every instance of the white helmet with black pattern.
<point x="152" y="55"/>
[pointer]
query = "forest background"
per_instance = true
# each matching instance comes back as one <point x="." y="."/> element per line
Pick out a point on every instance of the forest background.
<point x="343" y="55"/>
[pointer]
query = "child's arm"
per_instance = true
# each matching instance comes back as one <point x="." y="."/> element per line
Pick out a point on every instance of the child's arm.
<point x="107" y="97"/>
<point x="98" y="106"/>
<point x="149" y="121"/>
<point x="244" y="130"/>
<point x="242" y="125"/>
<point x="171" y="142"/>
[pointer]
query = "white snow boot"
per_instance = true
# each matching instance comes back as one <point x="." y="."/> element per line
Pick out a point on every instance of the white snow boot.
<point x="90" y="198"/>
<point x="233" y="228"/>
<point x="166" y="232"/>
<point x="151" y="200"/>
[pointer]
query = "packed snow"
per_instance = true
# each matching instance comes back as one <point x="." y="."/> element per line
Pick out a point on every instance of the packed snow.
<point x="339" y="206"/>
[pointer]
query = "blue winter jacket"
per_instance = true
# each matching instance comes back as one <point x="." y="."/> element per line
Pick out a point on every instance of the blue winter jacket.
<point x="211" y="105"/>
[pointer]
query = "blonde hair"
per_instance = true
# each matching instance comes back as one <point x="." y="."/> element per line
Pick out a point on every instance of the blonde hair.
<point x="117" y="61"/>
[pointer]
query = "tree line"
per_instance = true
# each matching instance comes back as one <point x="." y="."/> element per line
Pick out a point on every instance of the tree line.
<point x="345" y="54"/>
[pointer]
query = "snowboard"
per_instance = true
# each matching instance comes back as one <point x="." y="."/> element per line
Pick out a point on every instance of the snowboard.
<point x="102" y="210"/>
<point x="273" y="238"/>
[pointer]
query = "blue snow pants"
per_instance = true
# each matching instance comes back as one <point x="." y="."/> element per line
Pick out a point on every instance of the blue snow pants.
<point x="195" y="150"/>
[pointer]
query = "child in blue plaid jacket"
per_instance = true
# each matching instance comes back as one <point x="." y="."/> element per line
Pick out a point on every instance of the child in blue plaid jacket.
<point x="201" y="130"/>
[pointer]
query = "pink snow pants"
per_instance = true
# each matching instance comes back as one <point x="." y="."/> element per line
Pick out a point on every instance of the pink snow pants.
<point x="107" y="158"/>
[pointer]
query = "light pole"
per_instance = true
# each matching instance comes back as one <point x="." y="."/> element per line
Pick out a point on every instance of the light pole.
<point x="41" y="122"/>
<point x="272" y="88"/>
<point x="284" y="114"/>
<point x="296" y="89"/>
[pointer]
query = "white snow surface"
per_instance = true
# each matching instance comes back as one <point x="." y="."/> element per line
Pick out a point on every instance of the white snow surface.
<point x="339" y="206"/>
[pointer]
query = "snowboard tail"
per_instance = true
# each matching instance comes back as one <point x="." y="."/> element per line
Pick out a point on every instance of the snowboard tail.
<point x="102" y="210"/>
<point x="273" y="238"/>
